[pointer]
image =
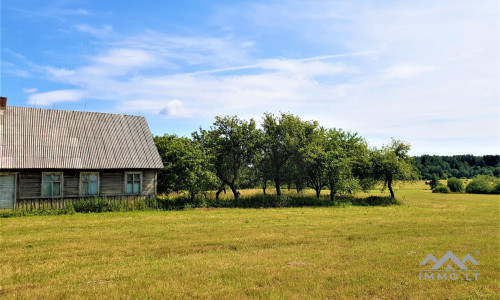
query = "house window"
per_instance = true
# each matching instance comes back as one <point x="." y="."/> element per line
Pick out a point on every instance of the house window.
<point x="89" y="183"/>
<point x="51" y="184"/>
<point x="133" y="183"/>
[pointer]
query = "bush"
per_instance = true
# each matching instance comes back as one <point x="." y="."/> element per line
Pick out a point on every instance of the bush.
<point x="483" y="184"/>
<point x="434" y="181"/>
<point x="496" y="190"/>
<point x="455" y="185"/>
<point x="441" y="189"/>
<point x="98" y="204"/>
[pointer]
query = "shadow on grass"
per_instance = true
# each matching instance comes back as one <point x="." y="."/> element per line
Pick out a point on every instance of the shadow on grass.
<point x="98" y="205"/>
<point x="271" y="201"/>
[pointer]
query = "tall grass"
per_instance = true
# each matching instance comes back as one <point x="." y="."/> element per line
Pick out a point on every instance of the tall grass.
<point x="249" y="199"/>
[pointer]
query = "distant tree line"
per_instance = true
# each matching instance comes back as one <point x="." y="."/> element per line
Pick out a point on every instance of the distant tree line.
<point x="459" y="166"/>
<point x="285" y="152"/>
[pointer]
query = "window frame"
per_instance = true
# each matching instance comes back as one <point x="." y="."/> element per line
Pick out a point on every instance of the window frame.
<point x="61" y="184"/>
<point x="133" y="181"/>
<point x="98" y="183"/>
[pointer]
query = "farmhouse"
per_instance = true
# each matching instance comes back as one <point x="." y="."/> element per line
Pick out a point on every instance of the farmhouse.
<point x="47" y="153"/>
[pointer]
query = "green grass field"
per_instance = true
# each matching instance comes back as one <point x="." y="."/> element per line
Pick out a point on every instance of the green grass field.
<point x="297" y="253"/>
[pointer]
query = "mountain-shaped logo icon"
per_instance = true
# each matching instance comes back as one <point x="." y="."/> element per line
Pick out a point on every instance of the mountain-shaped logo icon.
<point x="449" y="256"/>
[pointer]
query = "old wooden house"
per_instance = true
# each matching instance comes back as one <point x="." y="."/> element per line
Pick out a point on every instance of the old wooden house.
<point x="47" y="153"/>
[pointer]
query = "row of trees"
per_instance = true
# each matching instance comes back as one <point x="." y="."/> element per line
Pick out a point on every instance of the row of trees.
<point x="285" y="151"/>
<point x="460" y="166"/>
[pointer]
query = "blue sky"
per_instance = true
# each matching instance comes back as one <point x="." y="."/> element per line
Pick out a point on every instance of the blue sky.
<point x="426" y="72"/>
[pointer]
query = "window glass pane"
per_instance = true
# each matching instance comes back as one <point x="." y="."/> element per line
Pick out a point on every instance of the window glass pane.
<point x="130" y="177"/>
<point x="56" y="177"/>
<point x="57" y="189"/>
<point x="85" y="188"/>
<point x="85" y="177"/>
<point x="47" y="177"/>
<point x="137" y="177"/>
<point x="47" y="189"/>
<point x="128" y="188"/>
<point x="93" y="188"/>
<point x="136" y="188"/>
<point x="93" y="177"/>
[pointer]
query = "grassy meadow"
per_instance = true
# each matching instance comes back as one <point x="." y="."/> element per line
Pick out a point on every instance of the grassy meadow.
<point x="284" y="253"/>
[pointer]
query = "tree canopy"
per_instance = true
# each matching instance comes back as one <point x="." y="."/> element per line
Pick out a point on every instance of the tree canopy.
<point x="288" y="151"/>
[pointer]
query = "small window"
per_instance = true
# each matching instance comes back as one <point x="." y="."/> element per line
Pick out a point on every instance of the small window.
<point x="133" y="183"/>
<point x="51" y="184"/>
<point x="89" y="183"/>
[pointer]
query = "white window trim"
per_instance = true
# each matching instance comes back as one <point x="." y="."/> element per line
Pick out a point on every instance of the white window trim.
<point x="98" y="183"/>
<point x="125" y="183"/>
<point x="61" y="186"/>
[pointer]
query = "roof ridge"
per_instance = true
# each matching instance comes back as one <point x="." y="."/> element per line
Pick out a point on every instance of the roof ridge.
<point x="76" y="111"/>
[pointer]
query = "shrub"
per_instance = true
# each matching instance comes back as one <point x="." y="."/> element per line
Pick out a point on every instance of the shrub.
<point x="483" y="184"/>
<point x="455" y="185"/>
<point x="496" y="190"/>
<point x="441" y="189"/>
<point x="434" y="181"/>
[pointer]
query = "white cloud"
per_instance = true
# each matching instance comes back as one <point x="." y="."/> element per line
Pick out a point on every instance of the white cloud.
<point x="98" y="32"/>
<point x="449" y="50"/>
<point x="56" y="72"/>
<point x="175" y="108"/>
<point x="406" y="70"/>
<point x="30" y="91"/>
<point x="125" y="57"/>
<point x="48" y="98"/>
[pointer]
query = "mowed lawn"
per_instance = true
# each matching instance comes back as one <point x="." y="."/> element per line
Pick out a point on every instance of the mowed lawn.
<point x="297" y="253"/>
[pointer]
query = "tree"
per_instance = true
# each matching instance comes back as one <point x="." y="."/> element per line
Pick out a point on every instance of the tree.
<point x="310" y="161"/>
<point x="283" y="138"/>
<point x="392" y="163"/>
<point x="231" y="144"/>
<point x="455" y="185"/>
<point x="434" y="181"/>
<point x="346" y="162"/>
<point x="187" y="167"/>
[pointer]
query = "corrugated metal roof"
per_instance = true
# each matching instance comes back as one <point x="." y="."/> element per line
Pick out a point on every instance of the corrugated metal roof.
<point x="35" y="138"/>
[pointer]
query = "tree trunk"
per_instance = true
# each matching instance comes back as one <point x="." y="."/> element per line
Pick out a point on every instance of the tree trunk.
<point x="318" y="191"/>
<point x="264" y="187"/>
<point x="278" y="187"/>
<point x="332" y="191"/>
<point x="221" y="188"/>
<point x="389" y="185"/>
<point x="235" y="192"/>
<point x="289" y="184"/>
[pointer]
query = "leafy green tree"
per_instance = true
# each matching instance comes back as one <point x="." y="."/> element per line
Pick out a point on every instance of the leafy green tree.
<point x="392" y="163"/>
<point x="455" y="185"/>
<point x="311" y="160"/>
<point x="187" y="167"/>
<point x="482" y="184"/>
<point x="345" y="163"/>
<point x="231" y="144"/>
<point x="434" y="181"/>
<point x="283" y="138"/>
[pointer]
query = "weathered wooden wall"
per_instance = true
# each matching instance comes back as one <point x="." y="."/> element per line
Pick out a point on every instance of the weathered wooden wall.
<point x="111" y="182"/>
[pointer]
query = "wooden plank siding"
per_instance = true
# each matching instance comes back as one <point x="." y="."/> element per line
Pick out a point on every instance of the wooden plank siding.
<point x="111" y="182"/>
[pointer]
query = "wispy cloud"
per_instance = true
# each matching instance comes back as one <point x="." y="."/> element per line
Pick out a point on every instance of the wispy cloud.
<point x="48" y="98"/>
<point x="394" y="68"/>
<point x="95" y="31"/>
<point x="407" y="70"/>
<point x="30" y="90"/>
